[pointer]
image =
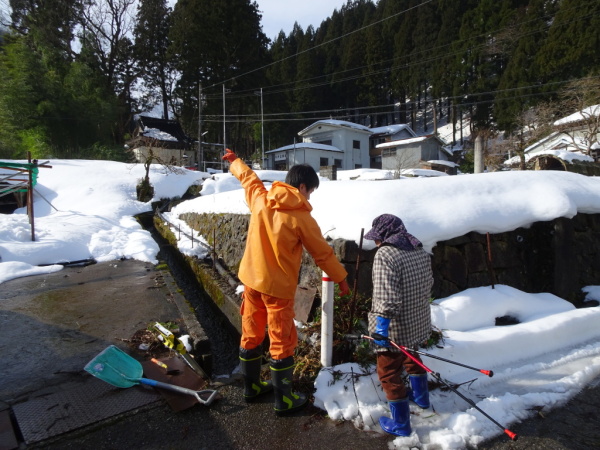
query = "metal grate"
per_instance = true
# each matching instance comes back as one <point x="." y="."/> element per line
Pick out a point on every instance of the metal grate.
<point x="48" y="416"/>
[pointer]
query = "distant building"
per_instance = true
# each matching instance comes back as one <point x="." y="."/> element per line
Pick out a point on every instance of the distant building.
<point x="347" y="146"/>
<point x="325" y="143"/>
<point x="165" y="138"/>
<point x="576" y="138"/>
<point x="414" y="152"/>
<point x="382" y="135"/>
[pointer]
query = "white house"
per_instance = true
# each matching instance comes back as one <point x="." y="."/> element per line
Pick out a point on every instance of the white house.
<point x="315" y="155"/>
<point x="385" y="134"/>
<point x="412" y="153"/>
<point x="325" y="143"/>
<point x="576" y="134"/>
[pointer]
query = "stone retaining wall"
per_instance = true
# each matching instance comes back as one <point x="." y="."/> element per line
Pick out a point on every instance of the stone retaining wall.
<point x="560" y="256"/>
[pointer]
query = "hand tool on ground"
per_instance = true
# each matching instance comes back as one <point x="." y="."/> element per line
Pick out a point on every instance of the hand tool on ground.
<point x="489" y="373"/>
<point x="164" y="366"/>
<point x="121" y="370"/>
<point x="379" y="337"/>
<point x="174" y="343"/>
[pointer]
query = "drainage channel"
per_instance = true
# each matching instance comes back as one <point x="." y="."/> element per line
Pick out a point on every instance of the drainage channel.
<point x="223" y="337"/>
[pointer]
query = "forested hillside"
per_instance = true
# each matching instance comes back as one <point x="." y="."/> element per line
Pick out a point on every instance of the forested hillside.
<point x="73" y="72"/>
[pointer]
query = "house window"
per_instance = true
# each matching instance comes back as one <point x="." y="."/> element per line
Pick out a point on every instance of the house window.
<point x="388" y="152"/>
<point x="323" y="162"/>
<point x="325" y="142"/>
<point x="356" y="144"/>
<point x="338" y="163"/>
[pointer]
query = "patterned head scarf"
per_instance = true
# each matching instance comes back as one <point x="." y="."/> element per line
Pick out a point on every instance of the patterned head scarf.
<point x="390" y="229"/>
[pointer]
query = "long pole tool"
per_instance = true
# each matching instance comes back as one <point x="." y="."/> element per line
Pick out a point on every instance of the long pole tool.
<point x="489" y="373"/>
<point x="355" y="288"/>
<point x="378" y="337"/>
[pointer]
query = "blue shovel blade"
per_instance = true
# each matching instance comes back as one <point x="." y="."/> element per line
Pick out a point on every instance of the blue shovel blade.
<point x="115" y="367"/>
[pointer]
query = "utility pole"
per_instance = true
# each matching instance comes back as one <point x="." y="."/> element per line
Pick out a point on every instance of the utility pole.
<point x="200" y="153"/>
<point x="262" y="127"/>
<point x="224" y="130"/>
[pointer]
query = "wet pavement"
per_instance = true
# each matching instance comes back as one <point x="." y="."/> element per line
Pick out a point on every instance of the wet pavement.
<point x="52" y="325"/>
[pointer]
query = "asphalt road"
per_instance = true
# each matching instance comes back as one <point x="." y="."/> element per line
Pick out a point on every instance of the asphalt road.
<point x="53" y="324"/>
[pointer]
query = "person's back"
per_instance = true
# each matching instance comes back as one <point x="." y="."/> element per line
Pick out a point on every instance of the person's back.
<point x="400" y="312"/>
<point x="412" y="278"/>
<point x="280" y="227"/>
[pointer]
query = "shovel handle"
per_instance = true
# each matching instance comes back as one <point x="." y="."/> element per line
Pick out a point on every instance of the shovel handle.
<point x="181" y="390"/>
<point x="170" y="387"/>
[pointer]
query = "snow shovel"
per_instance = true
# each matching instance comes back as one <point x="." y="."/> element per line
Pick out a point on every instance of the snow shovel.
<point x="121" y="370"/>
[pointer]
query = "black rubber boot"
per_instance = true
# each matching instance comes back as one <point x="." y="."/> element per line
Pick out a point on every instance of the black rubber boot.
<point x="286" y="401"/>
<point x="250" y="361"/>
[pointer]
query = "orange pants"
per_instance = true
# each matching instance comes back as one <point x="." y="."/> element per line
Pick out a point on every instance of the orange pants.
<point x="260" y="311"/>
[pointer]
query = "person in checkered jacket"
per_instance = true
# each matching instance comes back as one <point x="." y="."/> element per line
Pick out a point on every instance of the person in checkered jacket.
<point x="402" y="282"/>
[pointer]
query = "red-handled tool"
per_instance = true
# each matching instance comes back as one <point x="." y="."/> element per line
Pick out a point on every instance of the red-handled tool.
<point x="379" y="337"/>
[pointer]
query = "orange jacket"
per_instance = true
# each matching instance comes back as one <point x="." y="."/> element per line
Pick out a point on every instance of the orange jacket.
<point x="280" y="225"/>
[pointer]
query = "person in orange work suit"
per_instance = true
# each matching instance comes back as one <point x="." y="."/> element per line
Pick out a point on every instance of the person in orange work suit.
<point x="280" y="227"/>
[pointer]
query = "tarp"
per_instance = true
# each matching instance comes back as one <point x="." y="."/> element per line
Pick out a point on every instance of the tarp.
<point x="20" y="169"/>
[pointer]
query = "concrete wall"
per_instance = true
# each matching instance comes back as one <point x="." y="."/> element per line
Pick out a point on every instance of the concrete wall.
<point x="559" y="257"/>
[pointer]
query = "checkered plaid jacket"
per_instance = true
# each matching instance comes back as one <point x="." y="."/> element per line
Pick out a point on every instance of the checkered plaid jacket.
<point x="402" y="282"/>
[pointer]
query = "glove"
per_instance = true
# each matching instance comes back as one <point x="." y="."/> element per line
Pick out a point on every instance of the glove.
<point x="344" y="288"/>
<point x="229" y="156"/>
<point x="381" y="327"/>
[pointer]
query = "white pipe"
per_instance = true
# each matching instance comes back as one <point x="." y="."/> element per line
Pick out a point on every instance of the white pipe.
<point x="327" y="321"/>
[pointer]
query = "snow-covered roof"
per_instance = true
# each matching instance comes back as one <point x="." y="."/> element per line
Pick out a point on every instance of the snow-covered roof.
<point x="443" y="163"/>
<point x="423" y="173"/>
<point x="579" y="115"/>
<point x="161" y="129"/>
<point x="561" y="154"/>
<point x="305" y="145"/>
<point x="336" y="123"/>
<point x="155" y="133"/>
<point x="557" y="141"/>
<point x="392" y="129"/>
<point x="402" y="142"/>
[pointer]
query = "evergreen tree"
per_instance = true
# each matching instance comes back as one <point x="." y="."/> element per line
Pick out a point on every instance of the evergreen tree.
<point x="517" y="86"/>
<point x="480" y="57"/>
<point x="151" y="44"/>
<point x="279" y="98"/>
<point x="49" y="25"/>
<point x="47" y="113"/>
<point x="571" y="50"/>
<point x="400" y="40"/>
<point x="353" y="52"/>
<point x="307" y="71"/>
<point x="374" y="88"/>
<point x="20" y="73"/>
<point x="330" y="37"/>
<point x="214" y="43"/>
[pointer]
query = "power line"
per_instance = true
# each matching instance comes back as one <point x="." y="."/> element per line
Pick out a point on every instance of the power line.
<point x="280" y="117"/>
<point x="248" y="92"/>
<point x="320" y="45"/>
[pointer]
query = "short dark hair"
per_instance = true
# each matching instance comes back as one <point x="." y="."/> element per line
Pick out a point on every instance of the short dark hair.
<point x="302" y="174"/>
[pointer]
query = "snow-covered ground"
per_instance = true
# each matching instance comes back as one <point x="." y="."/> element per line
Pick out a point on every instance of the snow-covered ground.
<point x="85" y="209"/>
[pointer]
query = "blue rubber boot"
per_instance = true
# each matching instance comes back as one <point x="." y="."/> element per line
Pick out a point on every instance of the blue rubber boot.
<point x="399" y="424"/>
<point x="250" y="361"/>
<point x="419" y="391"/>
